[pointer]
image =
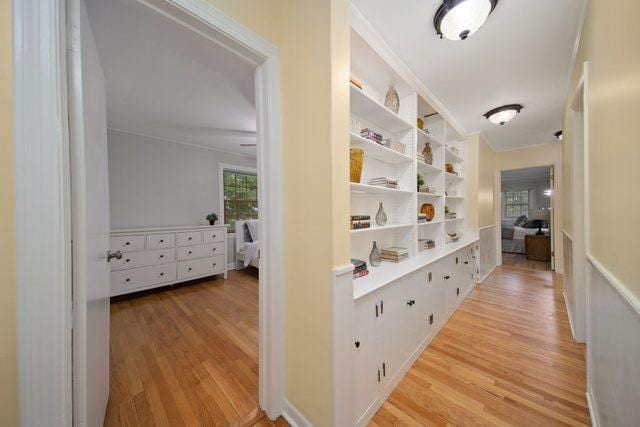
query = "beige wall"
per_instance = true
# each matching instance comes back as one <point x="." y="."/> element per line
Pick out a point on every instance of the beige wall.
<point x="541" y="155"/>
<point x="610" y="44"/>
<point x="480" y="171"/>
<point x="8" y="334"/>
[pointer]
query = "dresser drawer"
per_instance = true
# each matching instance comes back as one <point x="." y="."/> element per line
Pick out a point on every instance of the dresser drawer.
<point x="128" y="280"/>
<point x="200" y="267"/>
<point x="127" y="243"/>
<point x="189" y="238"/>
<point x="213" y="236"/>
<point x="200" y="251"/>
<point x="159" y="241"/>
<point x="144" y="259"/>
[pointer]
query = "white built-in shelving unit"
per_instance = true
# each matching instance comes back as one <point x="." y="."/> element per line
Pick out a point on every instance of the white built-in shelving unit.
<point x="402" y="205"/>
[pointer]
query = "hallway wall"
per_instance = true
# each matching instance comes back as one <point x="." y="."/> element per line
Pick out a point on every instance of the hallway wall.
<point x="610" y="45"/>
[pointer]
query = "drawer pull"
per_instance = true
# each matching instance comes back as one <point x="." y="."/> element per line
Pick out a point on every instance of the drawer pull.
<point x="189" y="238"/>
<point x="214" y="264"/>
<point x="127" y="279"/>
<point x="161" y="256"/>
<point x="466" y="262"/>
<point x="127" y="243"/>
<point x="127" y="260"/>
<point x="357" y="344"/>
<point x="189" y="253"/>
<point x="447" y="277"/>
<point x="161" y="240"/>
<point x="214" y="249"/>
<point x="161" y="274"/>
<point x="189" y="268"/>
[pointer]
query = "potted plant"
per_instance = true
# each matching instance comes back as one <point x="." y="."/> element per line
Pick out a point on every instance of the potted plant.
<point x="420" y="181"/>
<point x="212" y="218"/>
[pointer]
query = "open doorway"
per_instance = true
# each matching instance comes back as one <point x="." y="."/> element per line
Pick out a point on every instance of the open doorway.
<point x="526" y="207"/>
<point x="169" y="190"/>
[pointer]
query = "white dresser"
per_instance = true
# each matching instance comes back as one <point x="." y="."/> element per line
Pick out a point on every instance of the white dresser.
<point x="160" y="256"/>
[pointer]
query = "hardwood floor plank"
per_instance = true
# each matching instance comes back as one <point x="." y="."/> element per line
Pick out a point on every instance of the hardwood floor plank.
<point x="187" y="355"/>
<point x="506" y="357"/>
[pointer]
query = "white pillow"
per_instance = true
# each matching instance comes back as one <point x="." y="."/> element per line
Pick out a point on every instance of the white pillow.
<point x="252" y="224"/>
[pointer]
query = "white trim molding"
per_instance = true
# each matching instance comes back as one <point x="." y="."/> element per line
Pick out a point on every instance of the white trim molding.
<point x="293" y="416"/>
<point x="616" y="284"/>
<point x="593" y="410"/>
<point x="343" y="312"/>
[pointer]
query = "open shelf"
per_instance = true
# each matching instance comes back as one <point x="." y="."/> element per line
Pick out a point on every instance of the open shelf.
<point x="380" y="228"/>
<point x="451" y="157"/>
<point x="366" y="188"/>
<point x="438" y="221"/>
<point x="427" y="168"/>
<point x="424" y="137"/>
<point x="454" y="197"/>
<point x="451" y="177"/>
<point x="428" y="195"/>
<point x="363" y="105"/>
<point x="377" y="151"/>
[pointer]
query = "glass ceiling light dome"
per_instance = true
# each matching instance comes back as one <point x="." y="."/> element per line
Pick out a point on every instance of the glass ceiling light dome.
<point x="458" y="19"/>
<point x="502" y="115"/>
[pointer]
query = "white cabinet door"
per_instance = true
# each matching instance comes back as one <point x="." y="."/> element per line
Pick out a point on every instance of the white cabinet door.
<point x="449" y="284"/>
<point x="367" y="352"/>
<point x="418" y="306"/>
<point x="434" y="303"/>
<point x="396" y="319"/>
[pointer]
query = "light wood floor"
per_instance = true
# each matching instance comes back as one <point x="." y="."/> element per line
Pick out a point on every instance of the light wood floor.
<point x="520" y="260"/>
<point x="506" y="357"/>
<point x="187" y="356"/>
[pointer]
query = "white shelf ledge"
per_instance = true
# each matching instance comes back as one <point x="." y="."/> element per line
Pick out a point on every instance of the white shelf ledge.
<point x="388" y="272"/>
<point x="454" y="197"/>
<point x="451" y="157"/>
<point x="377" y="151"/>
<point x="427" y="168"/>
<point x="424" y="137"/>
<point x="370" y="109"/>
<point x="428" y="195"/>
<point x="420" y="224"/>
<point x="451" y="177"/>
<point x="380" y="228"/>
<point x="454" y="219"/>
<point x="366" y="188"/>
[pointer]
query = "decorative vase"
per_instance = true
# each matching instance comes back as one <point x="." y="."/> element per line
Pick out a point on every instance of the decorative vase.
<point x="381" y="216"/>
<point x="392" y="101"/>
<point x="356" y="160"/>
<point x="212" y="222"/>
<point x="374" y="256"/>
<point x="420" y="123"/>
<point x="428" y="154"/>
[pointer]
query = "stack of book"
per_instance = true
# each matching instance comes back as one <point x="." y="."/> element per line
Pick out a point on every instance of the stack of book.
<point x="360" y="268"/>
<point x="394" y="254"/>
<point x="426" y="189"/>
<point x="422" y="218"/>
<point x="450" y="215"/>
<point x="426" y="244"/>
<point x="371" y="135"/>
<point x="384" y="182"/>
<point x="360" y="221"/>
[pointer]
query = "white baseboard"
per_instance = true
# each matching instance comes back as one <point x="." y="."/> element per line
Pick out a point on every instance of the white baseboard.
<point x="593" y="412"/>
<point x="487" y="275"/>
<point x="293" y="416"/>
<point x="569" y="314"/>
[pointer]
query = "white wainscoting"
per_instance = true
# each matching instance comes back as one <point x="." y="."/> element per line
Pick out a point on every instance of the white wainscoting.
<point x="568" y="286"/>
<point x="488" y="255"/>
<point x="613" y="349"/>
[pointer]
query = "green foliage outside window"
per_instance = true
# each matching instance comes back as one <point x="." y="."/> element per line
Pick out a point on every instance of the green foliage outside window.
<point x="240" y="197"/>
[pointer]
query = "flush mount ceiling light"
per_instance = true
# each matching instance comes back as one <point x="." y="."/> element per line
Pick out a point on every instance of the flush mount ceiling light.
<point x="558" y="135"/>
<point x="502" y="115"/>
<point x="458" y="19"/>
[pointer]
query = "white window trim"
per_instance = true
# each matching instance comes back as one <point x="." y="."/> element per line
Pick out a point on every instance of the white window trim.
<point x="227" y="166"/>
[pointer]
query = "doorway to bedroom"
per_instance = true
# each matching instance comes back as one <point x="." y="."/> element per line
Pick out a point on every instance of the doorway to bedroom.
<point x="526" y="215"/>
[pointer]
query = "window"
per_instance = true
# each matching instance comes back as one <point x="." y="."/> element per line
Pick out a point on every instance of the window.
<point x="516" y="203"/>
<point x="240" y="197"/>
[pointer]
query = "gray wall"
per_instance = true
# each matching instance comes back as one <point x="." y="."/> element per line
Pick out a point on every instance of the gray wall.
<point x="158" y="183"/>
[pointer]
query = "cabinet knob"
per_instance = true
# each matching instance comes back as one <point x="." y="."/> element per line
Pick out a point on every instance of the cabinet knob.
<point x="127" y="243"/>
<point x="127" y="260"/>
<point x="161" y="274"/>
<point x="189" y="268"/>
<point x="189" y="238"/>
<point x="189" y="253"/>
<point x="447" y="277"/>
<point x="214" y="264"/>
<point x="161" y="256"/>
<point x="127" y="279"/>
<point x="161" y="240"/>
<point x="357" y="344"/>
<point x="214" y="249"/>
<point x="466" y="262"/>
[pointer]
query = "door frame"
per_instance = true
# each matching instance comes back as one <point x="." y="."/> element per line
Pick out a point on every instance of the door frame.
<point x="43" y="208"/>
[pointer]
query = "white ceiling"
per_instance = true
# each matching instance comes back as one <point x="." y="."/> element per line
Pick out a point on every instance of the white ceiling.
<point x="165" y="81"/>
<point x="537" y="174"/>
<point x="523" y="54"/>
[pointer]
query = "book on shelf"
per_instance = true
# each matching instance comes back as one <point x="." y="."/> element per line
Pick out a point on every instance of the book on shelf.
<point x="384" y="182"/>
<point x="360" y="268"/>
<point x="358" y="225"/>
<point x="360" y="274"/>
<point x="426" y="244"/>
<point x="360" y="217"/>
<point x="371" y="135"/>
<point x="394" y="259"/>
<point x="394" y="254"/>
<point x="358" y="262"/>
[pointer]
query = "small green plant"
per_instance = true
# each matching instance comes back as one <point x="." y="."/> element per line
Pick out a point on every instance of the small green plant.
<point x="446" y="209"/>
<point x="420" y="181"/>
<point x="212" y="218"/>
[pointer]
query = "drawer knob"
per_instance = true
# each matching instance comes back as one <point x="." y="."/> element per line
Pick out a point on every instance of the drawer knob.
<point x="161" y="240"/>
<point x="189" y="253"/>
<point x="214" y="249"/>
<point x="447" y="277"/>
<point x="189" y="268"/>
<point x="127" y="260"/>
<point x="161" y="274"/>
<point x="214" y="264"/>
<point x="161" y="256"/>
<point x="126" y="243"/>
<point x="127" y="279"/>
<point x="466" y="262"/>
<point x="357" y="344"/>
<point x="189" y="238"/>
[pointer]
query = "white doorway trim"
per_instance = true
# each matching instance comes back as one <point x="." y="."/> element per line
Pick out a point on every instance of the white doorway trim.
<point x="43" y="222"/>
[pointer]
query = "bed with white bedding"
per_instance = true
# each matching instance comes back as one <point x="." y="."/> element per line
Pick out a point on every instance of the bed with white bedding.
<point x="513" y="236"/>
<point x="247" y="244"/>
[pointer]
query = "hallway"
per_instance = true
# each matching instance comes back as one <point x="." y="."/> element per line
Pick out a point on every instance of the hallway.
<point x="506" y="357"/>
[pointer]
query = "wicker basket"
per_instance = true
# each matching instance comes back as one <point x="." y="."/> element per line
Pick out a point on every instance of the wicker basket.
<point x="395" y="145"/>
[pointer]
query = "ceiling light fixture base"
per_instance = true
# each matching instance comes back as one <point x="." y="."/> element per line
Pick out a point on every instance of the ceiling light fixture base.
<point x="502" y="115"/>
<point x="458" y="19"/>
